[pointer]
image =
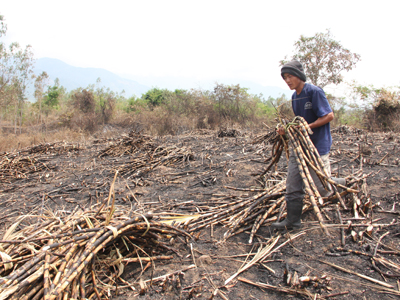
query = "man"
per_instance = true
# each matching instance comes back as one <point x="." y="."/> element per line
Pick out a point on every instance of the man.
<point x="309" y="102"/>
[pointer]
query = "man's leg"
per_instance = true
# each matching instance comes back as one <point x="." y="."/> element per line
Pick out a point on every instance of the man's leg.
<point x="294" y="197"/>
<point x="320" y="187"/>
<point x="322" y="191"/>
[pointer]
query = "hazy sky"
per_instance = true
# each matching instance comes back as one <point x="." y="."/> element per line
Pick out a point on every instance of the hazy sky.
<point x="204" y="40"/>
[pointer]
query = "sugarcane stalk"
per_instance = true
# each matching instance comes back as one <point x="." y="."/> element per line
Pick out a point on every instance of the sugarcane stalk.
<point x="46" y="275"/>
<point x="276" y="154"/>
<point x="311" y="154"/>
<point x="80" y="264"/>
<point x="20" y="292"/>
<point x="39" y="295"/>
<point x="34" y="290"/>
<point x="216" y="216"/>
<point x="258" y="223"/>
<point x="325" y="178"/>
<point x="304" y="173"/>
<point x="247" y="211"/>
<point x="6" y="281"/>
<point x="87" y="255"/>
<point x="96" y="291"/>
<point x="63" y="266"/>
<point x="74" y="288"/>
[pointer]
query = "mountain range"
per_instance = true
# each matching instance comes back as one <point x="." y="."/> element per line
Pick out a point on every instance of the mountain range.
<point x="72" y="77"/>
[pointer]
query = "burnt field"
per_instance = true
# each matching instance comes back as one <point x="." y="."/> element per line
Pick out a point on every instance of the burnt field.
<point x="201" y="183"/>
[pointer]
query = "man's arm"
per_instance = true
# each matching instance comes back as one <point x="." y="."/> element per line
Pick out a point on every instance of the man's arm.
<point x="317" y="123"/>
<point x="322" y="120"/>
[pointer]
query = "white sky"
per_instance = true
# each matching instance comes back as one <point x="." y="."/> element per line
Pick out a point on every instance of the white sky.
<point x="205" y="39"/>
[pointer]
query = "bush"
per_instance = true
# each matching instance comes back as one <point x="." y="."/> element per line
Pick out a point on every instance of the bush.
<point x="385" y="114"/>
<point x="84" y="101"/>
<point x="382" y="109"/>
<point x="84" y="117"/>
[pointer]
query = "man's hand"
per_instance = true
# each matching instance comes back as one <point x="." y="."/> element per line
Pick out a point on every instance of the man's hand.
<point x="280" y="130"/>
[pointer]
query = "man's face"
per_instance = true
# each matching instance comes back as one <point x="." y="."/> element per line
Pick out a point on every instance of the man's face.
<point x="292" y="81"/>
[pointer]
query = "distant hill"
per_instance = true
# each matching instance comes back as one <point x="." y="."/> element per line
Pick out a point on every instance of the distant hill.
<point x="74" y="77"/>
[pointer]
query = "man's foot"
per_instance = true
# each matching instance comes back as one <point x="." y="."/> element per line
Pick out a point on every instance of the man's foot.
<point x="294" y="209"/>
<point x="285" y="224"/>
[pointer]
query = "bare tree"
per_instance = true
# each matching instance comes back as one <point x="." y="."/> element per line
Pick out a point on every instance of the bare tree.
<point x="40" y="83"/>
<point x="323" y="58"/>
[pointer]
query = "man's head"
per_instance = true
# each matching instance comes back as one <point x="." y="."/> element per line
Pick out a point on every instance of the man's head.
<point x="293" y="74"/>
<point x="294" y="68"/>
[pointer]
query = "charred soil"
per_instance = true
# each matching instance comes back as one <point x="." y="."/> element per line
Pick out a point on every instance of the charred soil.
<point x="66" y="177"/>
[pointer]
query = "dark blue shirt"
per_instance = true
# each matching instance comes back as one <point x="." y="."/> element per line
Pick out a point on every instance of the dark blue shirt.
<point x="312" y="104"/>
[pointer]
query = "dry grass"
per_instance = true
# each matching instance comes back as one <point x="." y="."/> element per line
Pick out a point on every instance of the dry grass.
<point x="11" y="141"/>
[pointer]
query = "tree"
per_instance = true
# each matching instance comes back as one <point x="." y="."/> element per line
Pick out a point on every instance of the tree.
<point x="106" y="100"/>
<point x="323" y="58"/>
<point x="16" y="67"/>
<point x="40" y="83"/>
<point x="155" y="97"/>
<point x="233" y="102"/>
<point x="52" y="96"/>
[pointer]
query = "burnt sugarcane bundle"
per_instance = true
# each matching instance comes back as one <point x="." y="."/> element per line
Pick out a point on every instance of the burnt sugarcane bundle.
<point x="308" y="159"/>
<point x="16" y="166"/>
<point x="44" y="148"/>
<point x="278" y="146"/>
<point x="241" y="212"/>
<point x="128" y="145"/>
<point x="75" y="255"/>
<point x="144" y="162"/>
<point x="51" y="148"/>
<point x="145" y="154"/>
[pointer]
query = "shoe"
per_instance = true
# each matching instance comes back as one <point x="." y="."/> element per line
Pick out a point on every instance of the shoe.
<point x="293" y="217"/>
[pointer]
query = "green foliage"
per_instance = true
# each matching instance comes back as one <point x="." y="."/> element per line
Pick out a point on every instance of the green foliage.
<point x="15" y="62"/>
<point x="54" y="94"/>
<point x="155" y="97"/>
<point x="323" y="58"/>
<point x="51" y="98"/>
<point x="264" y="109"/>
<point x="134" y="104"/>
<point x="40" y="83"/>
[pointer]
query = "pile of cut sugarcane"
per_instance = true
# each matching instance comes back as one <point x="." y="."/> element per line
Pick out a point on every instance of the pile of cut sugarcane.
<point x="268" y="205"/>
<point x="23" y="163"/>
<point x="129" y="144"/>
<point x="146" y="155"/>
<point x="144" y="162"/>
<point x="51" y="148"/>
<point x="16" y="166"/>
<point x="80" y="255"/>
